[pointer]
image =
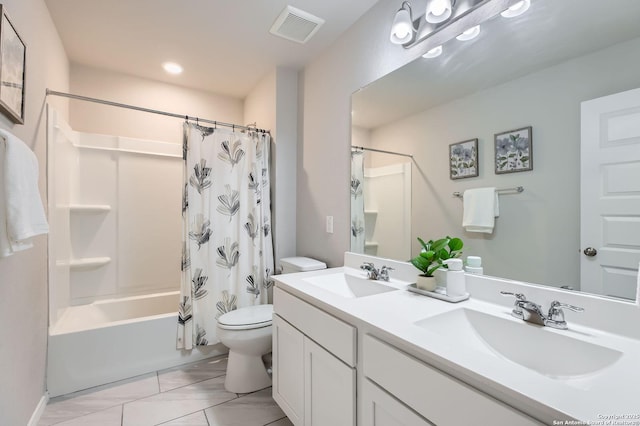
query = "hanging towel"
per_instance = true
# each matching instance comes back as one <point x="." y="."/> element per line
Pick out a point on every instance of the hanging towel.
<point x="21" y="212"/>
<point x="480" y="210"/>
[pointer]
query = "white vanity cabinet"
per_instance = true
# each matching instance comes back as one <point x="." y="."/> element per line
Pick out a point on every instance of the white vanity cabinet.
<point x="314" y="376"/>
<point x="382" y="409"/>
<point x="429" y="392"/>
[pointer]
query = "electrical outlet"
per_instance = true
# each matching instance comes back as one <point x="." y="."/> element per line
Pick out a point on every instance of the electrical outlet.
<point x="329" y="224"/>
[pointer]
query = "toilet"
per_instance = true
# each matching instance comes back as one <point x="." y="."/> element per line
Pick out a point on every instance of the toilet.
<point x="247" y="334"/>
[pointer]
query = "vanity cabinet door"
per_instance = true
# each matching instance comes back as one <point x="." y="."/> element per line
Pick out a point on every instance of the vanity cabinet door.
<point x="330" y="388"/>
<point x="381" y="409"/>
<point x="288" y="369"/>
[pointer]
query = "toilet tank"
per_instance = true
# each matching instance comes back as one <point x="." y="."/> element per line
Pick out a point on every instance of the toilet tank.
<point x="300" y="264"/>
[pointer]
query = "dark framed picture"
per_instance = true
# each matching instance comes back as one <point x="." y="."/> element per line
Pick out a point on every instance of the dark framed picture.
<point x="463" y="159"/>
<point x="513" y="151"/>
<point x="13" y="54"/>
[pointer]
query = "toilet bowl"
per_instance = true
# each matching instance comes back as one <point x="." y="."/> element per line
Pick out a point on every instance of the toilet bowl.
<point x="247" y="334"/>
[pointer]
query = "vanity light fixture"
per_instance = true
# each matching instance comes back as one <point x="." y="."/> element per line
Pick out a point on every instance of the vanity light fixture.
<point x="439" y="10"/>
<point x="517" y="9"/>
<point x="433" y="53"/>
<point x="470" y="34"/>
<point x="402" y="28"/>
<point x="172" y="68"/>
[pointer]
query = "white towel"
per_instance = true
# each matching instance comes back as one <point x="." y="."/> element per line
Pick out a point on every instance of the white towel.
<point x="21" y="212"/>
<point x="480" y="209"/>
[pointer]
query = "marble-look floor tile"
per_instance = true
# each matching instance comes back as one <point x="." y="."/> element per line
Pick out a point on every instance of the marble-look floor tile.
<point x="176" y="403"/>
<point x="191" y="373"/>
<point x="254" y="409"/>
<point x="99" y="398"/>
<point x="109" y="417"/>
<point x="195" y="419"/>
<point x="282" y="422"/>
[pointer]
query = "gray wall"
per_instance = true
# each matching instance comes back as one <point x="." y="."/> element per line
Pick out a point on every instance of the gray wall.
<point x="537" y="236"/>
<point x="23" y="276"/>
<point x="362" y="55"/>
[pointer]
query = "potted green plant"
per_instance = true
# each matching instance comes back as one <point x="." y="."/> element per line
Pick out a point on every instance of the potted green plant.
<point x="431" y="257"/>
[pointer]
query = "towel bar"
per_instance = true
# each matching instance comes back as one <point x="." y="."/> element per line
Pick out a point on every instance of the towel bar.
<point x="515" y="188"/>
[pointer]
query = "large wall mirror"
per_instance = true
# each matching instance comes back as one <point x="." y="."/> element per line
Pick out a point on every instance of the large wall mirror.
<point x="536" y="70"/>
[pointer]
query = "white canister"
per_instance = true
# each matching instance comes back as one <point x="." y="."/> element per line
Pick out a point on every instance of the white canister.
<point x="455" y="278"/>
<point x="474" y="265"/>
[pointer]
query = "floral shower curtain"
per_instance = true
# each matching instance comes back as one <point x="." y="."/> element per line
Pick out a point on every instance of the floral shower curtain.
<point x="357" y="201"/>
<point x="227" y="254"/>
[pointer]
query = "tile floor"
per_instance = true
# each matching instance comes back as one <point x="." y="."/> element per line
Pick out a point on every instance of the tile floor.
<point x="189" y="395"/>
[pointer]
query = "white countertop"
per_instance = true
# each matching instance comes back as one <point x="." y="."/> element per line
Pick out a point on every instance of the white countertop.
<point x="607" y="394"/>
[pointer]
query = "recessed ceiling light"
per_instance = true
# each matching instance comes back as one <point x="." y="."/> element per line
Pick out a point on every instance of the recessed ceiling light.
<point x="517" y="9"/>
<point x="172" y="68"/>
<point x="470" y="34"/>
<point x="433" y="53"/>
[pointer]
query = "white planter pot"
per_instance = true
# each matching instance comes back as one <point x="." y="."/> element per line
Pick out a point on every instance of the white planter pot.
<point x="426" y="283"/>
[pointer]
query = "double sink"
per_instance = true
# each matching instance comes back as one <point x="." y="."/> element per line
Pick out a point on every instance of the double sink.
<point x="551" y="353"/>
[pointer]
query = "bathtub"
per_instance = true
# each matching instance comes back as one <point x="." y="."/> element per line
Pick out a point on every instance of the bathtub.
<point x="109" y="340"/>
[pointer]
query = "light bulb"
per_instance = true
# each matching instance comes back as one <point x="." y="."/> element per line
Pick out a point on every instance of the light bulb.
<point x="172" y="68"/>
<point x="517" y="9"/>
<point x="402" y="27"/>
<point x="470" y="34"/>
<point x="438" y="11"/>
<point x="433" y="53"/>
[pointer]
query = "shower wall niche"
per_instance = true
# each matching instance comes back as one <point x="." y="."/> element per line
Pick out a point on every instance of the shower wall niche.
<point x="115" y="209"/>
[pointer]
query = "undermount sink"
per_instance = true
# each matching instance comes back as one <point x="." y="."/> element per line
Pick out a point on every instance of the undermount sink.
<point x="347" y="285"/>
<point x="545" y="351"/>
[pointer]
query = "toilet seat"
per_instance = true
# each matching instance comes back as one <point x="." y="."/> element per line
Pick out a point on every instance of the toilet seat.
<point x="248" y="318"/>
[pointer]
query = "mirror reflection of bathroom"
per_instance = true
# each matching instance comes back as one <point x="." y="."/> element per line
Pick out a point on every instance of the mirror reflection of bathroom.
<point x="380" y="201"/>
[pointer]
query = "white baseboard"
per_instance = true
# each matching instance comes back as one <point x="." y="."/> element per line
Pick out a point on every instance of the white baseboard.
<point x="37" y="413"/>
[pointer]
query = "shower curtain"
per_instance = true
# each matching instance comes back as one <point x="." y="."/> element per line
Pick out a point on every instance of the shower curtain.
<point x="227" y="255"/>
<point x="357" y="201"/>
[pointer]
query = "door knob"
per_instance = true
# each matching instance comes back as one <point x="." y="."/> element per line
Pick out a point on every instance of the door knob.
<point x="590" y="251"/>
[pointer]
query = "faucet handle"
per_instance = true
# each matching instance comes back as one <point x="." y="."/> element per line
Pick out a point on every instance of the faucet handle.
<point x="555" y="317"/>
<point x="517" y="307"/>
<point x="367" y="266"/>
<point x="518" y="296"/>
<point x="384" y="272"/>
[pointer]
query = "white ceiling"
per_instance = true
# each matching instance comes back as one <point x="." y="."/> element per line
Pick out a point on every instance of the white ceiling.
<point x="224" y="45"/>
<point x="551" y="32"/>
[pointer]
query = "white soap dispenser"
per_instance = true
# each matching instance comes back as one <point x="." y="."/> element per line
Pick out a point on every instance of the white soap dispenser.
<point x="455" y="278"/>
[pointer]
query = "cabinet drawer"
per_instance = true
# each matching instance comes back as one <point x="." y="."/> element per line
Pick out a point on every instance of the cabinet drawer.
<point x="438" y="397"/>
<point x="335" y="335"/>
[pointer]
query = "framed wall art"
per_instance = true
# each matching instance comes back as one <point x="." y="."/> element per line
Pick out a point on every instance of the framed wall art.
<point x="463" y="159"/>
<point x="13" y="54"/>
<point x="513" y="151"/>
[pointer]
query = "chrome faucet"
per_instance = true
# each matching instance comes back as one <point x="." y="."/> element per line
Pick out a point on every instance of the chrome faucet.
<point x="374" y="274"/>
<point x="532" y="312"/>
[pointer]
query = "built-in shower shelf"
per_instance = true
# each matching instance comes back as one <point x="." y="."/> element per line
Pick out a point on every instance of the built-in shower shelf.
<point x="90" y="208"/>
<point x="371" y="212"/>
<point x="370" y="244"/>
<point x="87" y="263"/>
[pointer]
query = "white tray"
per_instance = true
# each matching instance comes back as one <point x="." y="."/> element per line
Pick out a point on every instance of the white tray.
<point x="439" y="293"/>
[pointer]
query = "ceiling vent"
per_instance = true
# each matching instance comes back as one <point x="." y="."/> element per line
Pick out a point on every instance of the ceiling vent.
<point x="296" y="25"/>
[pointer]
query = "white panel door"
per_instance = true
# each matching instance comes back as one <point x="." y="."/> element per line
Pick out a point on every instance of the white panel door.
<point x="330" y="388"/>
<point x="381" y="409"/>
<point x="610" y="194"/>
<point x="288" y="369"/>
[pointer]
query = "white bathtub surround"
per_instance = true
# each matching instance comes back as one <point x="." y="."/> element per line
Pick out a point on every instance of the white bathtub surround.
<point x="192" y="394"/>
<point x="414" y="327"/>
<point x="227" y="246"/>
<point x="21" y="212"/>
<point x="111" y="340"/>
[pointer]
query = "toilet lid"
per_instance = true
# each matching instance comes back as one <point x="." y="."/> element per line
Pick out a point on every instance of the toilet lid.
<point x="247" y="318"/>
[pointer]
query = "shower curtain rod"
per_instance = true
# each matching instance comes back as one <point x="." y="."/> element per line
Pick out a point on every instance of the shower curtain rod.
<point x="155" y="111"/>
<point x="381" y="150"/>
